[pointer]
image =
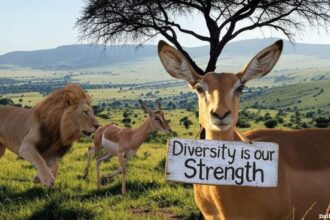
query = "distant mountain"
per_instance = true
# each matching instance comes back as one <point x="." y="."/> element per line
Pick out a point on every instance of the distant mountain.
<point x="252" y="46"/>
<point x="76" y="56"/>
<point x="85" y="56"/>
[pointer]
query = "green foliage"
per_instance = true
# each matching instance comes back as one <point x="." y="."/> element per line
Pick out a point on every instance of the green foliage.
<point x="6" y="101"/>
<point x="322" y="122"/>
<point x="125" y="114"/>
<point x="267" y="116"/>
<point x="186" y="122"/>
<point x="160" y="137"/>
<point x="280" y="120"/>
<point x="271" y="123"/>
<point x="104" y="115"/>
<point x="126" y="119"/>
<point x="97" y="109"/>
<point x="243" y="123"/>
<point x="280" y="113"/>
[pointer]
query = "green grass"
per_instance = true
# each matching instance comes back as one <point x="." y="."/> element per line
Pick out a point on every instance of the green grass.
<point x="305" y="96"/>
<point x="149" y="195"/>
<point x="30" y="98"/>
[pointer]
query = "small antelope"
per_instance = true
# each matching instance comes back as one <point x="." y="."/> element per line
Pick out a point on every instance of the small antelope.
<point x="124" y="142"/>
<point x="304" y="161"/>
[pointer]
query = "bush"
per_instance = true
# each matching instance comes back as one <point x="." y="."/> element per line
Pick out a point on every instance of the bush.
<point x="186" y="122"/>
<point x="280" y="120"/>
<point x="310" y="114"/>
<point x="104" y="116"/>
<point x="158" y="137"/>
<point x="305" y="125"/>
<point x="271" y="123"/>
<point x="6" y="101"/>
<point x="322" y="122"/>
<point x="243" y="123"/>
<point x="280" y="113"/>
<point x="267" y="116"/>
<point x="127" y="122"/>
<point x="260" y="118"/>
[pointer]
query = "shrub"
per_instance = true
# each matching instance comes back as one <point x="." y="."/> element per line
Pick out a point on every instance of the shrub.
<point x="267" y="116"/>
<point x="243" y="123"/>
<point x="322" y="122"/>
<point x="186" y="122"/>
<point x="280" y="120"/>
<point x="271" y="123"/>
<point x="6" y="101"/>
<point x="158" y="137"/>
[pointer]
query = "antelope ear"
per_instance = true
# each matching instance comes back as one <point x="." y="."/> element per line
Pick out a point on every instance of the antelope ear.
<point x="144" y="107"/>
<point x="158" y="106"/>
<point x="176" y="64"/>
<point x="262" y="63"/>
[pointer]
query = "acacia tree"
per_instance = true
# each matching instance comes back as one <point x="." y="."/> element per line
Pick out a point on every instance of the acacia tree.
<point x="140" y="20"/>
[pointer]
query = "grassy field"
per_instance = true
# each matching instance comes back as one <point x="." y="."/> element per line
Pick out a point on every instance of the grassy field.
<point x="149" y="195"/>
<point x="304" y="96"/>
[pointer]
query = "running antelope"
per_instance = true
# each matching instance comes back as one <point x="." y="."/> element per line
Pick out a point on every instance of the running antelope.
<point x="304" y="161"/>
<point x="124" y="142"/>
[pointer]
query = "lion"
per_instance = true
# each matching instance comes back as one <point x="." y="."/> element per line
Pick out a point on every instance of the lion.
<point x="44" y="133"/>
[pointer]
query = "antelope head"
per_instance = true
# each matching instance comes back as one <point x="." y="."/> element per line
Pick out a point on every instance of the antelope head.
<point x="218" y="93"/>
<point x="157" y="117"/>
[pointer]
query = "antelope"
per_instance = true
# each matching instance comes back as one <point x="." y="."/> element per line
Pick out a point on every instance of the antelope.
<point x="124" y="142"/>
<point x="304" y="161"/>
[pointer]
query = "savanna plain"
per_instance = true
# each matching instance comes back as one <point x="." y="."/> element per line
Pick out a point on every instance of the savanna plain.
<point x="295" y="95"/>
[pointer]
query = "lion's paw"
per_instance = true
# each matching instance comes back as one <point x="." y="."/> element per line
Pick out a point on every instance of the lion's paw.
<point x="47" y="180"/>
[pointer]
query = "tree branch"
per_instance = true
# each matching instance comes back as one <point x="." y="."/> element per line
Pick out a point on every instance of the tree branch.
<point x="140" y="20"/>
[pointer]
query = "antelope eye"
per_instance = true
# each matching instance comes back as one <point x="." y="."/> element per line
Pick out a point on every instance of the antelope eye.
<point x="240" y="88"/>
<point x="199" y="89"/>
<point x="158" y="120"/>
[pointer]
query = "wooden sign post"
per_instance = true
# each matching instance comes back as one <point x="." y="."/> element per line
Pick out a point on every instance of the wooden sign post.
<point x="222" y="162"/>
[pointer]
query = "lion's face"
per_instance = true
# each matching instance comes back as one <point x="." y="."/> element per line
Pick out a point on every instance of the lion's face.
<point x="78" y="120"/>
<point x="67" y="114"/>
<point x="85" y="119"/>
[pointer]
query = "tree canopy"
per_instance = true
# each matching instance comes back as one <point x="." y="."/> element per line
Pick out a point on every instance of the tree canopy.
<point x="110" y="21"/>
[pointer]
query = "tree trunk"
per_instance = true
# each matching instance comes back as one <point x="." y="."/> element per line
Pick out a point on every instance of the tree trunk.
<point x="214" y="55"/>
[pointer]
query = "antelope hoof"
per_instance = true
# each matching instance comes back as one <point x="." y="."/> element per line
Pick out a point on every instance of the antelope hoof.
<point x="36" y="180"/>
<point x="98" y="185"/>
<point x="105" y="179"/>
<point x="85" y="175"/>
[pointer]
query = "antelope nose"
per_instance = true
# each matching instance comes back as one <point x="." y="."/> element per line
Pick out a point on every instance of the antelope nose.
<point x="218" y="116"/>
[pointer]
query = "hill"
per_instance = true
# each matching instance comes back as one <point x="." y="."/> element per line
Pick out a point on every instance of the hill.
<point x="87" y="56"/>
<point x="75" y="56"/>
<point x="306" y="96"/>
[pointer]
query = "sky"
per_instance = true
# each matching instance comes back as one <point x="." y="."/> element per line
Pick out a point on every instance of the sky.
<point x="42" y="24"/>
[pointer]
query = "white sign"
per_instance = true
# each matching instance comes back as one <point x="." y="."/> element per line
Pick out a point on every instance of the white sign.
<point x="222" y="162"/>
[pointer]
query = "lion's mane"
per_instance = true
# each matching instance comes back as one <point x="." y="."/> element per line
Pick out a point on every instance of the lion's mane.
<point x="57" y="133"/>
